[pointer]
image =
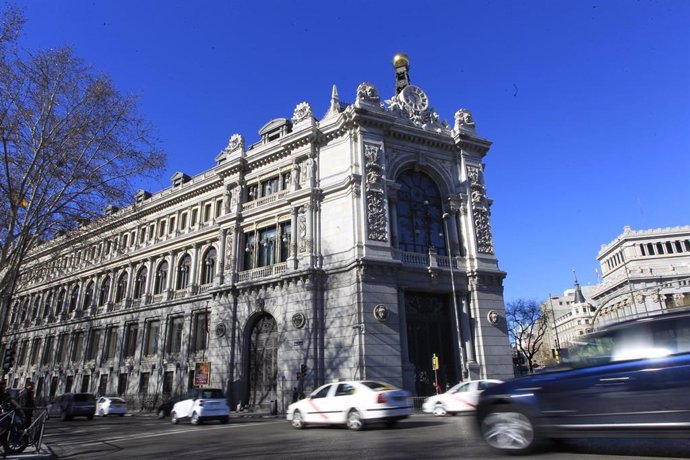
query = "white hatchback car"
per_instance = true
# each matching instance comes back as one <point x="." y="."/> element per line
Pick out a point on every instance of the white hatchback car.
<point x="109" y="405"/>
<point x="462" y="397"/>
<point x="351" y="403"/>
<point x="200" y="405"/>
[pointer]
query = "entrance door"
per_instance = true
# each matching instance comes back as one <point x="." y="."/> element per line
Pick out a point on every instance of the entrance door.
<point x="429" y="332"/>
<point x="263" y="362"/>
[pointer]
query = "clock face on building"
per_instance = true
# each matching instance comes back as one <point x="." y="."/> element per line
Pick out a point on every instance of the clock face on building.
<point x="414" y="99"/>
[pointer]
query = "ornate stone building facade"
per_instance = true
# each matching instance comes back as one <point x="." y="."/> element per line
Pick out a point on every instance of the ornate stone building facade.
<point x="331" y="246"/>
<point x="644" y="272"/>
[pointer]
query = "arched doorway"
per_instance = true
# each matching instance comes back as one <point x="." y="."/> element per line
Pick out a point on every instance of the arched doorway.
<point x="262" y="361"/>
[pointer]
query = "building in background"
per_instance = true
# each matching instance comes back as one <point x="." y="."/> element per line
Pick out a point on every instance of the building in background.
<point x="355" y="245"/>
<point x="643" y="272"/>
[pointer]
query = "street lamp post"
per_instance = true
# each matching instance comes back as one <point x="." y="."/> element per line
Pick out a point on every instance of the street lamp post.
<point x="455" y="300"/>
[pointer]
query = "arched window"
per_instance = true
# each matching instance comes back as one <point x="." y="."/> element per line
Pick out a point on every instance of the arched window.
<point x="420" y="211"/>
<point x="183" y="270"/>
<point x="140" y="282"/>
<point x="73" y="299"/>
<point x="161" y="277"/>
<point x="209" y="268"/>
<point x="105" y="291"/>
<point x="88" y="296"/>
<point x="15" y="313"/>
<point x="121" y="291"/>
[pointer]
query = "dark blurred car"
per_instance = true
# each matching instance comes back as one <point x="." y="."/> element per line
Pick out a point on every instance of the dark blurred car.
<point x="71" y="405"/>
<point x="165" y="408"/>
<point x="628" y="380"/>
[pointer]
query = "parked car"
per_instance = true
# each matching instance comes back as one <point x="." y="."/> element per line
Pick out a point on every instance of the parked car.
<point x="351" y="403"/>
<point x="110" y="405"/>
<point x="462" y="397"/>
<point x="201" y="405"/>
<point x="628" y="380"/>
<point x="71" y="405"/>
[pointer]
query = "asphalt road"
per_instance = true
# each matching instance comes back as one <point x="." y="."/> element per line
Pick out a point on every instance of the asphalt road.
<point x="145" y="437"/>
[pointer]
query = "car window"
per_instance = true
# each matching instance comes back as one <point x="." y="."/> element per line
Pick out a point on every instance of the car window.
<point x="344" y="389"/>
<point x="378" y="386"/>
<point x="463" y="388"/>
<point x="322" y="393"/>
<point x="117" y="400"/>
<point x="101" y="400"/>
<point x="84" y="397"/>
<point x="212" y="394"/>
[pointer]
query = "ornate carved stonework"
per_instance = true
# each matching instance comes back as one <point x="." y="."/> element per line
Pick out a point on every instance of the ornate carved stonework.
<point x="302" y="230"/>
<point x="464" y="120"/>
<point x="302" y="112"/>
<point x="236" y="142"/>
<point x="366" y="92"/>
<point x="480" y="211"/>
<point x="376" y="203"/>
<point x="421" y="115"/>
<point x="299" y="320"/>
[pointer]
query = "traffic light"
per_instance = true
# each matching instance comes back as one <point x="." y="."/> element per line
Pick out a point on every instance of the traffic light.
<point x="8" y="360"/>
<point x="303" y="370"/>
<point x="299" y="375"/>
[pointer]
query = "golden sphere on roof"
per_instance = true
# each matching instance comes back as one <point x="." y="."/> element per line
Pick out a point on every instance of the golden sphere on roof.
<point x="401" y="60"/>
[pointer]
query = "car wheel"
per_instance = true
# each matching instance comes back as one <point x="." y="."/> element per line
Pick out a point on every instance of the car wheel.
<point x="90" y="417"/>
<point x="195" y="419"/>
<point x="101" y="413"/>
<point x="439" y="410"/>
<point x="173" y="418"/>
<point x="161" y="414"/>
<point x="65" y="416"/>
<point x="121" y="415"/>
<point x="354" y="420"/>
<point x="509" y="430"/>
<point x="297" y="420"/>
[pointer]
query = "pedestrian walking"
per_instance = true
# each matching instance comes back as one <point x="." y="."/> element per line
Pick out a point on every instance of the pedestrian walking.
<point x="26" y="400"/>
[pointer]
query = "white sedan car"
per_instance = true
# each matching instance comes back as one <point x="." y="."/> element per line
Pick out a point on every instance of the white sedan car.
<point x="351" y="403"/>
<point x="109" y="405"/>
<point x="462" y="397"/>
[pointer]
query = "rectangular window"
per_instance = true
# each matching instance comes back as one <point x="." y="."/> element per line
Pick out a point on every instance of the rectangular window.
<point x="68" y="383"/>
<point x="285" y="238"/>
<point x="200" y="330"/>
<point x="144" y="382"/>
<point x="267" y="247"/>
<point x="168" y="382"/>
<point x="269" y="187"/>
<point x="63" y="348"/>
<point x="207" y="212"/>
<point x="131" y="340"/>
<point x="152" y="337"/>
<point x="152" y="231"/>
<point x="122" y="384"/>
<point x="85" y="381"/>
<point x="252" y="192"/>
<point x="161" y="228"/>
<point x="23" y="352"/>
<point x="183" y="221"/>
<point x="219" y="208"/>
<point x="285" y="181"/>
<point x="94" y="343"/>
<point x="78" y="348"/>
<point x="111" y="345"/>
<point x="172" y="225"/>
<point x="142" y="235"/>
<point x="36" y="351"/>
<point x="125" y="240"/>
<point x="48" y="351"/>
<point x="175" y="334"/>
<point x="195" y="214"/>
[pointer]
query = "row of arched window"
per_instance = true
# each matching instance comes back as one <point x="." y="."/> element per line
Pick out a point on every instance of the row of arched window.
<point x="99" y="294"/>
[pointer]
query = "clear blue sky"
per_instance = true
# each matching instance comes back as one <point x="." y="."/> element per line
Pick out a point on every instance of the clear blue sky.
<point x="587" y="102"/>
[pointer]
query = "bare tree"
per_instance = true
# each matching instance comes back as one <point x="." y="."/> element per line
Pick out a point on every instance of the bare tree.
<point x="527" y="325"/>
<point x="71" y="144"/>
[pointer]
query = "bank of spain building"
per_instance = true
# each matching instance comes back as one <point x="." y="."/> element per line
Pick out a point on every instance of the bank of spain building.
<point x="353" y="246"/>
